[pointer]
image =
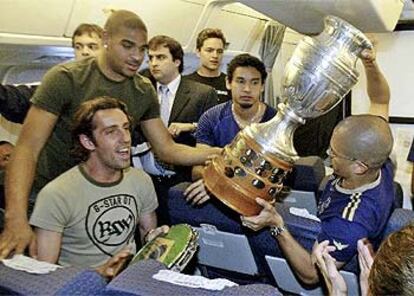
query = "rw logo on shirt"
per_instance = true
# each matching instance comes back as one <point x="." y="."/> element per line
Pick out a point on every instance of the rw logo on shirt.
<point x="110" y="222"/>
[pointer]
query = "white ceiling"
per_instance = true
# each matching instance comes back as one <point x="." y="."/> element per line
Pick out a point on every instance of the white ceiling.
<point x="408" y="11"/>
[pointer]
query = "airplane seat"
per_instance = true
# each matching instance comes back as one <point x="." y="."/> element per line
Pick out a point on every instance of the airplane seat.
<point x="226" y="220"/>
<point x="307" y="174"/>
<point x="63" y="281"/>
<point x="225" y="254"/>
<point x="212" y="212"/>
<point x="303" y="182"/>
<point x="399" y="218"/>
<point x="399" y="195"/>
<point x="221" y="233"/>
<point x="138" y="279"/>
<point x="288" y="283"/>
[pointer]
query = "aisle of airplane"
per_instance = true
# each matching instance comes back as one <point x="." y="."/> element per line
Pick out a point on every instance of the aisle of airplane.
<point x="36" y="35"/>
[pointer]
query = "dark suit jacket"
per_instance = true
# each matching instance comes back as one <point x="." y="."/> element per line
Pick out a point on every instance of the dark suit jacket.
<point x="191" y="101"/>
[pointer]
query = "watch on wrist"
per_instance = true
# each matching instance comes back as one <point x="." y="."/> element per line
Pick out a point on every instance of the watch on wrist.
<point x="275" y="231"/>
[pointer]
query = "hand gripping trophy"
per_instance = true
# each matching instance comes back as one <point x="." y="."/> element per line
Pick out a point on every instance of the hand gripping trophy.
<point x="319" y="74"/>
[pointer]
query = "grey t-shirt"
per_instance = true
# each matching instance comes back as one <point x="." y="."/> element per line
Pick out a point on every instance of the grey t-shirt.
<point x="96" y="220"/>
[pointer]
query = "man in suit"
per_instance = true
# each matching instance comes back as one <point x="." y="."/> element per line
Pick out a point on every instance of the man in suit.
<point x="182" y="103"/>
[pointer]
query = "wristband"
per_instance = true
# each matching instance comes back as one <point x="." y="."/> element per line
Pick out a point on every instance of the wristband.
<point x="275" y="231"/>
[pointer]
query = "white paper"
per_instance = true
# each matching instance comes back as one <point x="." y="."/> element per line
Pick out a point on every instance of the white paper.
<point x="192" y="281"/>
<point x="303" y="213"/>
<point x="28" y="264"/>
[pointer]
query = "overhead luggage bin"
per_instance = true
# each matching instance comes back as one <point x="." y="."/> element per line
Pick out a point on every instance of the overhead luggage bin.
<point x="306" y="16"/>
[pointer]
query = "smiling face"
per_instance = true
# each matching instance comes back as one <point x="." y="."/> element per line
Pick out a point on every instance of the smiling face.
<point x="124" y="52"/>
<point x="112" y="140"/>
<point x="87" y="45"/>
<point x="246" y="86"/>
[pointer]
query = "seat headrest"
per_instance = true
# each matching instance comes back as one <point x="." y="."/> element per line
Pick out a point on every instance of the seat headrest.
<point x="399" y="218"/>
<point x="307" y="174"/>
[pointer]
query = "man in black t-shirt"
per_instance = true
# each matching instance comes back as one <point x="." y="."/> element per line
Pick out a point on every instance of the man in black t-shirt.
<point x="210" y="49"/>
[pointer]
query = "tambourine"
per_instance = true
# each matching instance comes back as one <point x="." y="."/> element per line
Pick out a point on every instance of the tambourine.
<point x="174" y="249"/>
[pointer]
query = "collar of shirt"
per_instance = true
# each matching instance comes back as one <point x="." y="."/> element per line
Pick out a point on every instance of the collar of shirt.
<point x="172" y="87"/>
<point x="359" y="189"/>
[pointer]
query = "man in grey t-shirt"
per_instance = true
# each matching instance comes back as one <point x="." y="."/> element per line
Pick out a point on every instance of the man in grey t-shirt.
<point x="40" y="153"/>
<point x="89" y="213"/>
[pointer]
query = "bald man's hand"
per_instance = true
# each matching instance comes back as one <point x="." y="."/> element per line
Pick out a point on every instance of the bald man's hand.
<point x="368" y="57"/>
<point x="267" y="217"/>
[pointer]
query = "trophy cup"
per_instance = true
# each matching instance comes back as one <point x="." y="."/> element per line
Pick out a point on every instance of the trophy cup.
<point x="319" y="74"/>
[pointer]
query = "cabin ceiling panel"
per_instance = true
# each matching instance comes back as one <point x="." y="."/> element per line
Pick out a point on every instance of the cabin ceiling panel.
<point x="35" y="17"/>
<point x="306" y="16"/>
<point x="175" y="18"/>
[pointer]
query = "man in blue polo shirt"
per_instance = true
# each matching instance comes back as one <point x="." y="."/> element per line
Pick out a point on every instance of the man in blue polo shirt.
<point x="218" y="126"/>
<point x="358" y="199"/>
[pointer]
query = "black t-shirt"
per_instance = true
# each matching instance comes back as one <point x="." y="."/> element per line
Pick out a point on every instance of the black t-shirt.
<point x="218" y="83"/>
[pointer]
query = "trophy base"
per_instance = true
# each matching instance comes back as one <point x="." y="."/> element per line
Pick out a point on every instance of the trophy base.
<point x="243" y="172"/>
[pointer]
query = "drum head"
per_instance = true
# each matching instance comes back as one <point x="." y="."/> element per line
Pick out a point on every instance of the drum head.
<point x="174" y="250"/>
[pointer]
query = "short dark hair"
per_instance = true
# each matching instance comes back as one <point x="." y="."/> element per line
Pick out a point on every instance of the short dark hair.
<point x="124" y="19"/>
<point x="207" y="34"/>
<point x="83" y="121"/>
<point x="246" y="60"/>
<point x="173" y="46"/>
<point x="87" y="29"/>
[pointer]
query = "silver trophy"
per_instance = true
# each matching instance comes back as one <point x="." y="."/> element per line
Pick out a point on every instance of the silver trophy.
<point x="319" y="74"/>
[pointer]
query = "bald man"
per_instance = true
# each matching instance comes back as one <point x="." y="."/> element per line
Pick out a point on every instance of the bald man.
<point x="43" y="148"/>
<point x="358" y="199"/>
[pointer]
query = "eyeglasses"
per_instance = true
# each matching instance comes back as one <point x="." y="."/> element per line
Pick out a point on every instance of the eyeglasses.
<point x="332" y="154"/>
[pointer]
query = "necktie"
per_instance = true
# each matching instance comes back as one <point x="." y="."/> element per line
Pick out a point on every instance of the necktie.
<point x="164" y="104"/>
<point x="165" y="115"/>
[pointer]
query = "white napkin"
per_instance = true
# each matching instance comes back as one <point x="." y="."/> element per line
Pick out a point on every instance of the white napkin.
<point x="192" y="281"/>
<point x="28" y="264"/>
<point x="303" y="213"/>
